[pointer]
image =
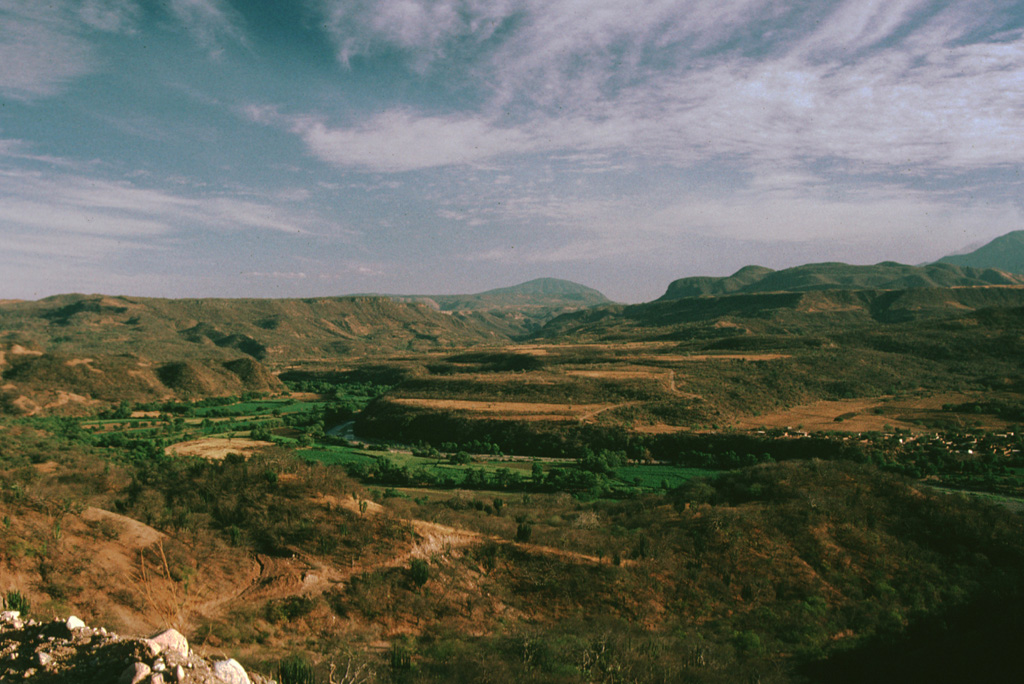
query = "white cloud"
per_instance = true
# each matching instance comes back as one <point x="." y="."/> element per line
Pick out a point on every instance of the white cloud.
<point x="400" y="141"/>
<point x="41" y="49"/>
<point x="860" y="24"/>
<point x="423" y="28"/>
<point x="666" y="81"/>
<point x="286" y="275"/>
<point x="109" y="15"/>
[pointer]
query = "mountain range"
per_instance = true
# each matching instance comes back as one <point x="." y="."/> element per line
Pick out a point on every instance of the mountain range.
<point x="101" y="347"/>
<point x="887" y="275"/>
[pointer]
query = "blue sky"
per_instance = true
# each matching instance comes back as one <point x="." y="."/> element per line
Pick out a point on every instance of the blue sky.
<point x="276" y="148"/>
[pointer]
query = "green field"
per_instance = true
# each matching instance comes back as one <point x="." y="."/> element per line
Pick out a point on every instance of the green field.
<point x="247" y="408"/>
<point x="654" y="476"/>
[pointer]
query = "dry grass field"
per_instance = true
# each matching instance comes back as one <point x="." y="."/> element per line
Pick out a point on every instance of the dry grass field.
<point x="216" y="448"/>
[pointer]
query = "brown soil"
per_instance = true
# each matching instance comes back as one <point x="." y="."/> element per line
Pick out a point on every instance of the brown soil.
<point x="217" y="448"/>
<point x="848" y="415"/>
<point x="686" y="358"/>
<point x="622" y="374"/>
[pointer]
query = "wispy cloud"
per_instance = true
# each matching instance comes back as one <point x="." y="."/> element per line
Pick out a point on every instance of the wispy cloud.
<point x="884" y="83"/>
<point x="46" y="45"/>
<point x="110" y="15"/>
<point x="41" y="48"/>
<point x="211" y="22"/>
<point x="118" y="215"/>
<point x="425" y="29"/>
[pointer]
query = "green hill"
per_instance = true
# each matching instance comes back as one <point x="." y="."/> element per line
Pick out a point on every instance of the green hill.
<point x="887" y="275"/>
<point x="797" y="313"/>
<point x="1005" y="253"/>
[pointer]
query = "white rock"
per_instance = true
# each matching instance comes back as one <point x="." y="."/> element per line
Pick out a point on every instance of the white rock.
<point x="74" y="623"/>
<point x="45" y="659"/>
<point x="134" y="673"/>
<point x="10" y="615"/>
<point x="169" y="640"/>
<point x="230" y="672"/>
<point x="179" y="673"/>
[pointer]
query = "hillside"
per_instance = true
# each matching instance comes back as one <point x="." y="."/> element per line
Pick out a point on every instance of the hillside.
<point x="75" y="348"/>
<point x="771" y="573"/>
<point x="837" y="276"/>
<point x="1005" y="253"/>
<point x="796" y="312"/>
<point x="520" y="309"/>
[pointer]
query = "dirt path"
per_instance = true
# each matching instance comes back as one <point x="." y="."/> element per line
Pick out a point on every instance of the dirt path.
<point x="300" y="575"/>
<point x="437" y="538"/>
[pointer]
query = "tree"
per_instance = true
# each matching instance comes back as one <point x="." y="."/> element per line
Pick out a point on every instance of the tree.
<point x="537" y="472"/>
<point x="419" y="572"/>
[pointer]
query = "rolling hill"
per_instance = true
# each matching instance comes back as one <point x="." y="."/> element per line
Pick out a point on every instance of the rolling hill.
<point x="1005" y="253"/>
<point x="83" y="347"/>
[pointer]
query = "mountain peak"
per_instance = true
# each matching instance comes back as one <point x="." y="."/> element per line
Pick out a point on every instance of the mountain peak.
<point x="549" y="287"/>
<point x="1005" y="253"/>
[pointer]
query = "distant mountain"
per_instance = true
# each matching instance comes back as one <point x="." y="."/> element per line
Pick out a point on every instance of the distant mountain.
<point x="887" y="275"/>
<point x="542" y="292"/>
<point x="519" y="309"/>
<point x="1005" y="253"/>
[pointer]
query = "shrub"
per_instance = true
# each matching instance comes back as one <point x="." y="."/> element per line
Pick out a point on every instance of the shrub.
<point x="295" y="669"/>
<point x="14" y="600"/>
<point x="419" y="571"/>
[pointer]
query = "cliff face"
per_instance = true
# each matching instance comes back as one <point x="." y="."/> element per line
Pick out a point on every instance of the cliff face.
<point x="71" y="651"/>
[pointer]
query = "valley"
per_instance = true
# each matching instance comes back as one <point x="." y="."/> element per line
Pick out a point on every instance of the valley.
<point x="757" y="478"/>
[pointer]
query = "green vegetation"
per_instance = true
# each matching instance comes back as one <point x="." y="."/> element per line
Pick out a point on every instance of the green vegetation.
<point x="14" y="600"/>
<point x="295" y="669"/>
<point x="630" y="496"/>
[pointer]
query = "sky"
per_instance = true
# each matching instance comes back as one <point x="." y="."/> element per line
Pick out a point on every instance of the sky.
<point x="298" y="148"/>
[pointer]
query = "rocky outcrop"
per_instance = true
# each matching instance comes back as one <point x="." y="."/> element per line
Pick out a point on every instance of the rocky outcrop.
<point x="71" y="651"/>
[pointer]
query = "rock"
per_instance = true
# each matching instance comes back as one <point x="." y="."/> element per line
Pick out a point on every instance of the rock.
<point x="74" y="623"/>
<point x="156" y="679"/>
<point x="230" y="672"/>
<point x="45" y="659"/>
<point x="134" y="673"/>
<point x="10" y="615"/>
<point x="179" y="674"/>
<point x="169" y="640"/>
